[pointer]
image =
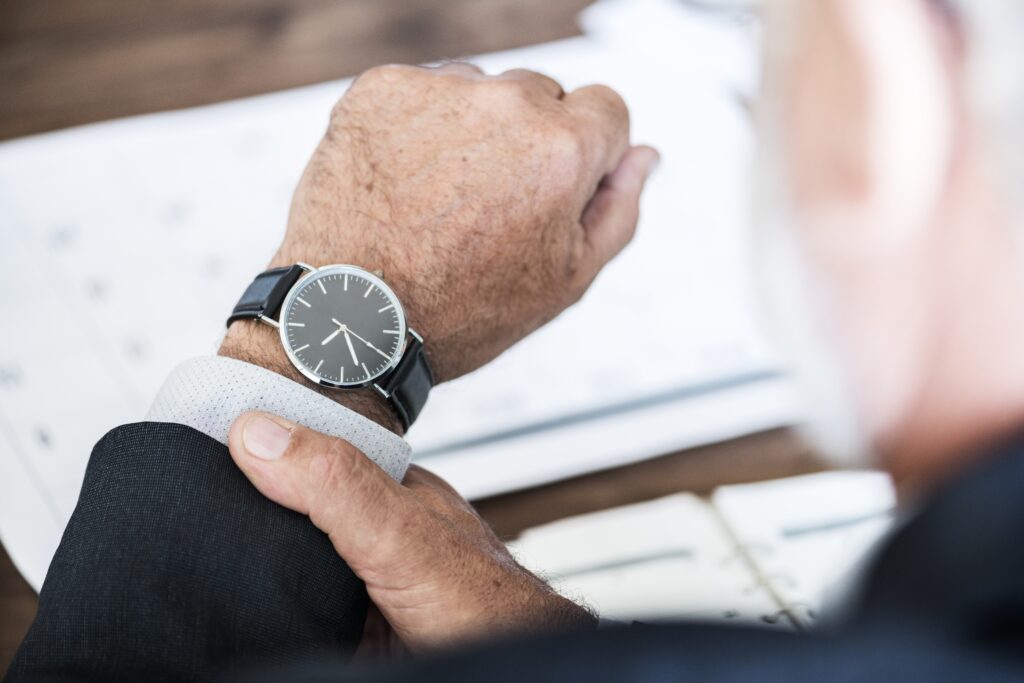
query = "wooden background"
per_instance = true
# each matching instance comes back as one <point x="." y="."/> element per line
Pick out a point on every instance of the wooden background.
<point x="64" y="62"/>
<point x="67" y="62"/>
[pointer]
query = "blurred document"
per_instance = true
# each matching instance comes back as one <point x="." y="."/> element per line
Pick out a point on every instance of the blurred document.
<point x="778" y="554"/>
<point x="126" y="244"/>
<point x="807" y="534"/>
<point x="665" y="559"/>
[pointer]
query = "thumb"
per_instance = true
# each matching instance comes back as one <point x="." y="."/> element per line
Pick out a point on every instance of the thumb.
<point x="610" y="217"/>
<point x="345" y="494"/>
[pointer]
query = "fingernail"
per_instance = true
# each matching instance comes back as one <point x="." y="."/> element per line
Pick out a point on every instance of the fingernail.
<point x="264" y="438"/>
<point x="651" y="160"/>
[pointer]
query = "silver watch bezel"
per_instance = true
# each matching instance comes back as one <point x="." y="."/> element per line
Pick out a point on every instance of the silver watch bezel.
<point x="340" y="268"/>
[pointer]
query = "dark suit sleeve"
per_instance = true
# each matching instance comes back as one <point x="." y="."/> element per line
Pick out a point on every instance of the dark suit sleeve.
<point x="709" y="653"/>
<point x="698" y="653"/>
<point x="174" y="565"/>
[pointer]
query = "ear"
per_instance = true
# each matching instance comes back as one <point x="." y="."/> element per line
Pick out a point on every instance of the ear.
<point x="869" y="111"/>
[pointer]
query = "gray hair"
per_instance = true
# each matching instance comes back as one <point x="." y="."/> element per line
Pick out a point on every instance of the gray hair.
<point x="994" y="32"/>
<point x="797" y="314"/>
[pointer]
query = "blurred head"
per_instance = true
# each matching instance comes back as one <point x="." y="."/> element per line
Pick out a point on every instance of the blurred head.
<point x="892" y="136"/>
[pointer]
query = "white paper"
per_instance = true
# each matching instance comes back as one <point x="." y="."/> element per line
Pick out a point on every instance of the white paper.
<point x="665" y="559"/>
<point x="777" y="554"/>
<point x="806" y="534"/>
<point x="99" y="222"/>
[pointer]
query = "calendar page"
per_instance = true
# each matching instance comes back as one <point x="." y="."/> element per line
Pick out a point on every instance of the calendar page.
<point x="125" y="244"/>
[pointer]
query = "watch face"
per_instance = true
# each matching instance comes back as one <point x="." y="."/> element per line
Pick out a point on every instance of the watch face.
<point x="342" y="326"/>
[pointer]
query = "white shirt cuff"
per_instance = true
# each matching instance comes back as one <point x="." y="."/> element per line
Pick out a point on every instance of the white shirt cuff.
<point x="208" y="393"/>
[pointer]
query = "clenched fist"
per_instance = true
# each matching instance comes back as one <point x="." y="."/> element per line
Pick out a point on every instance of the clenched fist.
<point x="490" y="203"/>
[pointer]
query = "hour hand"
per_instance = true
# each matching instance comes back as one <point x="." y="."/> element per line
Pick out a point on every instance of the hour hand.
<point x="331" y="336"/>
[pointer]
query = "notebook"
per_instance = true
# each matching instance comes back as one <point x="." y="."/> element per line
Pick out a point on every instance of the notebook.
<point x="782" y="554"/>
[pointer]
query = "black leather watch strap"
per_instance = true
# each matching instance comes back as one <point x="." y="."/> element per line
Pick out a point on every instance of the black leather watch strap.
<point x="410" y="382"/>
<point x="266" y="293"/>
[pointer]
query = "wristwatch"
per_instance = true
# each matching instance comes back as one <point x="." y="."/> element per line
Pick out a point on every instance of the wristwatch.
<point x="342" y="327"/>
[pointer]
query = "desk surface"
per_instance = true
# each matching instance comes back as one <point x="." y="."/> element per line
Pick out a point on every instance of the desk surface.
<point x="64" y="63"/>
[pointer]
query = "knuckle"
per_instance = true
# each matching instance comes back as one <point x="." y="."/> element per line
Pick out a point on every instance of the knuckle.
<point x="520" y="73"/>
<point x="610" y="103"/>
<point x="371" y="83"/>
<point x="332" y="466"/>
<point x="568" y="151"/>
<point x="319" y="473"/>
<point x="531" y="80"/>
<point x="336" y="472"/>
<point x="385" y="73"/>
<point x="502" y="93"/>
<point x="458" y="66"/>
<point x="339" y="110"/>
<point x="349" y="468"/>
<point x="527" y="79"/>
<point x="579" y="272"/>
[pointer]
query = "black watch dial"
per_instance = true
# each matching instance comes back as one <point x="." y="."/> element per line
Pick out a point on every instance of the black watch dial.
<point x="342" y="326"/>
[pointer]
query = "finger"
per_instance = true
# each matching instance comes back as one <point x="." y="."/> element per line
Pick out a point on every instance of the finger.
<point x="345" y="494"/>
<point x="462" y="68"/>
<point x="609" y="220"/>
<point x="603" y="121"/>
<point x="534" y="81"/>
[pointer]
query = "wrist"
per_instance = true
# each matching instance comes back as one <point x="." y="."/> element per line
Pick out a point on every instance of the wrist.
<point x="563" y="614"/>
<point x="540" y="608"/>
<point x="258" y="344"/>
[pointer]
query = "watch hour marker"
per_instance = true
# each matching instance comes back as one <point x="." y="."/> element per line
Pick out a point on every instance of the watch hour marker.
<point x="303" y="302"/>
<point x="368" y="290"/>
<point x="296" y="324"/>
<point x="390" y="331"/>
<point x="341" y="375"/>
<point x="365" y="370"/>
<point x="302" y="348"/>
<point x="317" y="368"/>
<point x="321" y="283"/>
<point x="346" y="282"/>
<point x="381" y="310"/>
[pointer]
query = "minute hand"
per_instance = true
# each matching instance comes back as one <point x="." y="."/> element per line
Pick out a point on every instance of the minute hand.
<point x="370" y="345"/>
<point x="351" y="349"/>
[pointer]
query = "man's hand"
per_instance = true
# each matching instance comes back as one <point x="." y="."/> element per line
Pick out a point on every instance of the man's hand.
<point x="431" y="566"/>
<point x="489" y="203"/>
